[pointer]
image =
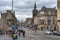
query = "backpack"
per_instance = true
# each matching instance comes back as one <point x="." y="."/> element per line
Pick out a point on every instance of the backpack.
<point x="14" y="35"/>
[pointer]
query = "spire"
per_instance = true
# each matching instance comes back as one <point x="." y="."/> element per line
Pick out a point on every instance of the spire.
<point x="35" y="9"/>
<point x="35" y="5"/>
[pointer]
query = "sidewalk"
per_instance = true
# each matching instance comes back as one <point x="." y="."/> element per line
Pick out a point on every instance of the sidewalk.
<point x="5" y="37"/>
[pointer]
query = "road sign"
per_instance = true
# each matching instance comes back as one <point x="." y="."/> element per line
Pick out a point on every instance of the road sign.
<point x="17" y="26"/>
<point x="12" y="27"/>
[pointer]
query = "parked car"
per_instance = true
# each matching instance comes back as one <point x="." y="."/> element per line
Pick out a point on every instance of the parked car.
<point x="58" y="33"/>
<point x="47" y="32"/>
<point x="55" y="32"/>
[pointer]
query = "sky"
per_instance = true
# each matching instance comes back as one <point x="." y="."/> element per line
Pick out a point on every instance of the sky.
<point x="23" y="8"/>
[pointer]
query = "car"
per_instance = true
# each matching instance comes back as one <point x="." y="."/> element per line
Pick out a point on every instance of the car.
<point x="55" y="32"/>
<point x="58" y="33"/>
<point x="21" y="29"/>
<point x="47" y="32"/>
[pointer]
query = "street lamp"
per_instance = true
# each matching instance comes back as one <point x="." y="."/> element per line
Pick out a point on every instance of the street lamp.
<point x="12" y="5"/>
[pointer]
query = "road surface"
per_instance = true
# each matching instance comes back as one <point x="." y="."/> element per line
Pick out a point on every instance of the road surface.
<point x="31" y="35"/>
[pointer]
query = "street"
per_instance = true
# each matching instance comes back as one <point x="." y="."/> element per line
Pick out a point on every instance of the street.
<point x="32" y="35"/>
<point x="39" y="35"/>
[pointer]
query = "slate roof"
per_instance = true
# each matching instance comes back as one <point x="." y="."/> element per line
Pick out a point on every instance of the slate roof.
<point x="5" y="14"/>
<point x="47" y="9"/>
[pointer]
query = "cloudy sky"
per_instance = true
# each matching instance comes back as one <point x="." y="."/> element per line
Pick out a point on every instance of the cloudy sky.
<point x="23" y="8"/>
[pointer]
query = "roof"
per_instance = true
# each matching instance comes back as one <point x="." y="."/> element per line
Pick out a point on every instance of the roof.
<point x="6" y="13"/>
<point x="47" y="9"/>
<point x="3" y="15"/>
<point x="28" y="19"/>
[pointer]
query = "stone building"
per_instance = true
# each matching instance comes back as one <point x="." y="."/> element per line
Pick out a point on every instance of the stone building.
<point x="46" y="18"/>
<point x="28" y="22"/>
<point x="22" y="23"/>
<point x="58" y="15"/>
<point x="8" y="18"/>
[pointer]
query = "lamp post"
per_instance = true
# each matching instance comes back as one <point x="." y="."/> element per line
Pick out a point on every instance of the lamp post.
<point x="12" y="5"/>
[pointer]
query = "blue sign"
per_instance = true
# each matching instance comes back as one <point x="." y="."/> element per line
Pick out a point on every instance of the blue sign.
<point x="12" y="27"/>
<point x="17" y="26"/>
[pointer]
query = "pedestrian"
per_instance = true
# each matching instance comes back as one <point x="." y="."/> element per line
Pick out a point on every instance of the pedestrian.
<point x="23" y="33"/>
<point x="19" y="34"/>
<point x="14" y="36"/>
<point x="6" y="32"/>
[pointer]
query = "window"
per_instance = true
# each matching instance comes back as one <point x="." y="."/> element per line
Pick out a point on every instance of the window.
<point x="49" y="12"/>
<point x="49" y="17"/>
<point x="42" y="18"/>
<point x="58" y="20"/>
<point x="49" y="21"/>
<point x="41" y="22"/>
<point x="47" y="27"/>
<point x="42" y="12"/>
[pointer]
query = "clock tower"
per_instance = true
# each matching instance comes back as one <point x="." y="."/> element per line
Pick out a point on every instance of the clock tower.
<point x="35" y="11"/>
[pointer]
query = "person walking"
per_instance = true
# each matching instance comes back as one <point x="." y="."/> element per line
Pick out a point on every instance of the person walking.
<point x="23" y="33"/>
<point x="14" y="36"/>
<point x="19" y="34"/>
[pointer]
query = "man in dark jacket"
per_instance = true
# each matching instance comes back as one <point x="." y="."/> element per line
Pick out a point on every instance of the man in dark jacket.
<point x="23" y="33"/>
<point x="14" y="36"/>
